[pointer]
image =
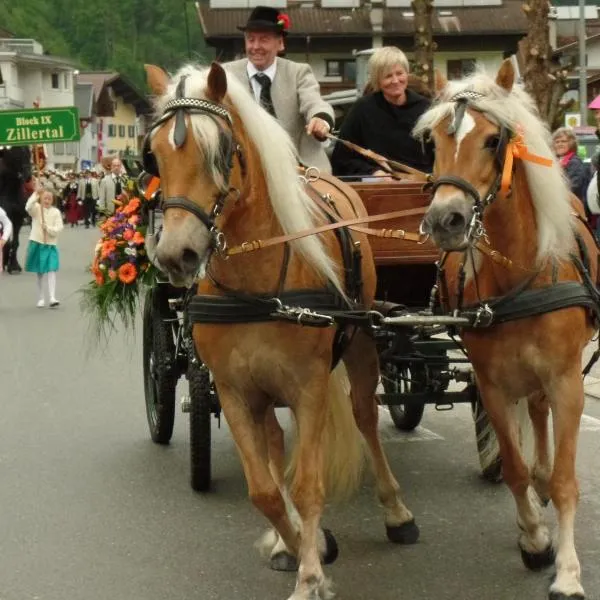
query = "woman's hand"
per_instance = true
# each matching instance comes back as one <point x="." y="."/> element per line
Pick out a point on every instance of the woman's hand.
<point x="382" y="175"/>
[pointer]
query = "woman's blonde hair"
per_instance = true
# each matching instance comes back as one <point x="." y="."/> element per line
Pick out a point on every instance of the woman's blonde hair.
<point x="381" y="61"/>
<point x="568" y="133"/>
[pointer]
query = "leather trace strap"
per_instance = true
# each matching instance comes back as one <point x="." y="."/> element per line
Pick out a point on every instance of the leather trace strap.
<point x="351" y="223"/>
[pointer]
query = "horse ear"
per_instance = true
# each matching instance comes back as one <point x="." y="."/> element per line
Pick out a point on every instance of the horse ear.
<point x="506" y="75"/>
<point x="440" y="81"/>
<point x="157" y="79"/>
<point x="217" y="83"/>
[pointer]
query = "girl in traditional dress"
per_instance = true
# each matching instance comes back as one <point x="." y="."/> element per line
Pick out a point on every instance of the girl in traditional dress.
<point x="42" y="252"/>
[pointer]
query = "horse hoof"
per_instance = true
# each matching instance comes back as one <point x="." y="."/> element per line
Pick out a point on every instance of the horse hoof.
<point x="536" y="561"/>
<point x="407" y="533"/>
<point x="561" y="596"/>
<point x="331" y="548"/>
<point x="283" y="561"/>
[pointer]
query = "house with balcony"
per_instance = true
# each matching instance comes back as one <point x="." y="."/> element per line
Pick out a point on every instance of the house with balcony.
<point x="118" y="114"/>
<point x="328" y="33"/>
<point x="29" y="76"/>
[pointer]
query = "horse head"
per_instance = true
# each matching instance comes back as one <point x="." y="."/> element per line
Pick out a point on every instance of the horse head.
<point x="193" y="146"/>
<point x="470" y="152"/>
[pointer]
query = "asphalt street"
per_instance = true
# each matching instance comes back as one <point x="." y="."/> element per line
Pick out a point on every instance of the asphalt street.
<point x="91" y="509"/>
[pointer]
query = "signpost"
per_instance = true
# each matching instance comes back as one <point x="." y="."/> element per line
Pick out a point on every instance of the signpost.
<point x="28" y="127"/>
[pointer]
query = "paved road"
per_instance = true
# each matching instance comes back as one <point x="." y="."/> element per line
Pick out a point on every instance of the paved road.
<point x="90" y="509"/>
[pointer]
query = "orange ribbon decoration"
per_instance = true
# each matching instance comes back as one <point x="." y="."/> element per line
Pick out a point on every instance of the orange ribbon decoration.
<point x="517" y="148"/>
<point x="152" y="188"/>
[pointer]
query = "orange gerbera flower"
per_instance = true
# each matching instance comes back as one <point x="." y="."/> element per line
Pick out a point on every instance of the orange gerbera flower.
<point x="133" y="220"/>
<point x="99" y="278"/>
<point x="128" y="234"/>
<point x="108" y="247"/>
<point x="132" y="206"/>
<point x="127" y="273"/>
<point x="138" y="238"/>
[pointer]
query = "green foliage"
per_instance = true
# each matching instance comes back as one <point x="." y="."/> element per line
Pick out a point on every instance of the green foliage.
<point x="103" y="35"/>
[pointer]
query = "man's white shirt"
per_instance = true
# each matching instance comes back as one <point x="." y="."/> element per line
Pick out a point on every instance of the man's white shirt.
<point x="252" y="71"/>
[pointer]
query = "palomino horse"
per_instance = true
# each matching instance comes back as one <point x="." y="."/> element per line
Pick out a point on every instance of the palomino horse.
<point x="228" y="173"/>
<point x="522" y="210"/>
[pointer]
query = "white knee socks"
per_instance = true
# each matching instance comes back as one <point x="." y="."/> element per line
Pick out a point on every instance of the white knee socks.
<point x="52" y="286"/>
<point x="40" y="287"/>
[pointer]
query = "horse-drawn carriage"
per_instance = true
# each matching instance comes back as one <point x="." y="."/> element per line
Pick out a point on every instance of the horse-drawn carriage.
<point x="315" y="322"/>
<point x="419" y="362"/>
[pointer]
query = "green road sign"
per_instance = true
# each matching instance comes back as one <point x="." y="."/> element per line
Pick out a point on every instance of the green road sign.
<point x="39" y="126"/>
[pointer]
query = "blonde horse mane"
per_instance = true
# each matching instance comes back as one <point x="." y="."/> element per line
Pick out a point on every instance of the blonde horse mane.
<point x="293" y="208"/>
<point x="517" y="112"/>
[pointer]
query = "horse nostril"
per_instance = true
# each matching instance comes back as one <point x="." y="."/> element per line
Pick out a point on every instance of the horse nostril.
<point x="453" y="221"/>
<point x="190" y="260"/>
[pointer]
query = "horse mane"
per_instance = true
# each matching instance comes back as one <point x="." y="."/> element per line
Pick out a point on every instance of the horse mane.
<point x="293" y="208"/>
<point x="517" y="112"/>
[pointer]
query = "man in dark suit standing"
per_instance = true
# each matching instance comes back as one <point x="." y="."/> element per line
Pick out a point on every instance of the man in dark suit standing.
<point x="286" y="89"/>
<point x="87" y="195"/>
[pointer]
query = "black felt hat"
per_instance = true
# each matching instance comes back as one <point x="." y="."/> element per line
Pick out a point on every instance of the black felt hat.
<point x="266" y="18"/>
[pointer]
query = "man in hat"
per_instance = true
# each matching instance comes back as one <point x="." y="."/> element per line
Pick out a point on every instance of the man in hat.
<point x="303" y="114"/>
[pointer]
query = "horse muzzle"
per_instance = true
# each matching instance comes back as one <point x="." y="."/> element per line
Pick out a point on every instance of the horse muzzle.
<point x="447" y="222"/>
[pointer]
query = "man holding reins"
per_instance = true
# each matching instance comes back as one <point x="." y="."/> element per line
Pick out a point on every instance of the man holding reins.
<point x="286" y="89"/>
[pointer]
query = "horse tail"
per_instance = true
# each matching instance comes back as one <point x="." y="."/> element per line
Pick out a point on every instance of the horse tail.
<point x="343" y="445"/>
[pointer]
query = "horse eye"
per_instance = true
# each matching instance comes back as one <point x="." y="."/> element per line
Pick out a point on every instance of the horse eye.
<point x="492" y="142"/>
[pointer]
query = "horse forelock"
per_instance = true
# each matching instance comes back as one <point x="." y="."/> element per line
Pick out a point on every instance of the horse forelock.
<point x="293" y="208"/>
<point x="516" y="111"/>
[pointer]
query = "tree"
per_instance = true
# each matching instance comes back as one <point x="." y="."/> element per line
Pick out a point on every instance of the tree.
<point x="544" y="79"/>
<point x="424" y="44"/>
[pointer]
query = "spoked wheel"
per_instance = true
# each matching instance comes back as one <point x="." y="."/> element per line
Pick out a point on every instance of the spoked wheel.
<point x="487" y="443"/>
<point x="201" y="404"/>
<point x="159" y="379"/>
<point x="403" y="380"/>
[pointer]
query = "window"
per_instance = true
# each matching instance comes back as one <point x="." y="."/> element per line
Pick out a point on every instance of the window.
<point x="122" y="131"/>
<point x="59" y="148"/>
<point x="112" y="131"/>
<point x="131" y="131"/>
<point x="55" y="81"/>
<point x="344" y="68"/>
<point x="69" y="148"/>
<point x="66" y="79"/>
<point x="1" y="78"/>
<point x="461" y="67"/>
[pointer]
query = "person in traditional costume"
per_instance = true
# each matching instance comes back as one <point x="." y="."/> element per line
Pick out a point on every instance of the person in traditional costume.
<point x="73" y="206"/>
<point x="42" y="251"/>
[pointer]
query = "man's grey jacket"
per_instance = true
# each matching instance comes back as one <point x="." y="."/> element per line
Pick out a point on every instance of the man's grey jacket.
<point x="296" y="100"/>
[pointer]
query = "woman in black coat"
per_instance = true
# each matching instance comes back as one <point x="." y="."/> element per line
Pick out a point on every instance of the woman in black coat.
<point x="565" y="148"/>
<point x="383" y="120"/>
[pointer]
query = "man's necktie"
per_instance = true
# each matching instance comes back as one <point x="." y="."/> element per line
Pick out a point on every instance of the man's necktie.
<point x="118" y="188"/>
<point x="265" y="93"/>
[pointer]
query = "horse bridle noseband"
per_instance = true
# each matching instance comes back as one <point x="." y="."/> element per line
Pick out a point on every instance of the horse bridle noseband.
<point x="179" y="107"/>
<point x="463" y="101"/>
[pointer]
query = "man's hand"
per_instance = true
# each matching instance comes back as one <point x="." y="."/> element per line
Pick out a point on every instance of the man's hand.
<point x="318" y="128"/>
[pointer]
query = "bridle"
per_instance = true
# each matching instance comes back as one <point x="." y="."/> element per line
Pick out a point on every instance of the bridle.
<point x="179" y="107"/>
<point x="464" y="100"/>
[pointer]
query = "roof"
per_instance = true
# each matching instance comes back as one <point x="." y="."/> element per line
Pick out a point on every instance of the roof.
<point x="507" y="18"/>
<point x="101" y="81"/>
<point x="84" y="99"/>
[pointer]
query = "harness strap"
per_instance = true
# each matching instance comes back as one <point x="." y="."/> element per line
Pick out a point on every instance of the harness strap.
<point x="260" y="244"/>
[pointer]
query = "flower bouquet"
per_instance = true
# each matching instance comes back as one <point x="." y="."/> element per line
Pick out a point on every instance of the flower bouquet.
<point x="120" y="267"/>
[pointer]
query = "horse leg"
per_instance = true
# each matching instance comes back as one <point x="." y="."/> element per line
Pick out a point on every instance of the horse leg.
<point x="307" y="490"/>
<point x="362" y="364"/>
<point x="541" y="471"/>
<point x="271" y="545"/>
<point x="249" y="432"/>
<point x="509" y="420"/>
<point x="567" y="399"/>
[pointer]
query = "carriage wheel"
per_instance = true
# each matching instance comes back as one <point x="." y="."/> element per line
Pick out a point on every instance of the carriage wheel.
<point x="159" y="381"/>
<point x="487" y="443"/>
<point x="200" y="426"/>
<point x="402" y="380"/>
